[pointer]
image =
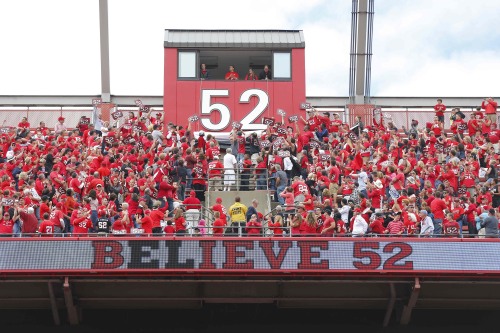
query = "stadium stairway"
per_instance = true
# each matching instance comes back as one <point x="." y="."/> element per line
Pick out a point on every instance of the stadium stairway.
<point x="262" y="196"/>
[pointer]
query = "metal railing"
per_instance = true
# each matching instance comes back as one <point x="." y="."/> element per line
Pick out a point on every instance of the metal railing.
<point x="208" y="232"/>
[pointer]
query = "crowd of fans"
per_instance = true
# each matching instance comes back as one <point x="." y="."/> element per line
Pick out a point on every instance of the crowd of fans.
<point x="329" y="177"/>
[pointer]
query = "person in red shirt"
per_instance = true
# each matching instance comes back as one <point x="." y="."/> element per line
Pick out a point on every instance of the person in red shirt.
<point x="81" y="222"/>
<point x="232" y="75"/>
<point x="57" y="218"/>
<point x="276" y="226"/>
<point x="29" y="221"/>
<point x="146" y="222"/>
<point x="490" y="107"/>
<point x="309" y="226"/>
<point x="215" y="173"/>
<point x="169" y="229"/>
<point x="440" y="108"/>
<point x="329" y="226"/>
<point x="219" y="224"/>
<point x="219" y="207"/>
<point x="438" y="206"/>
<point x="377" y="225"/>
<point x="396" y="226"/>
<point x="7" y="222"/>
<point x="47" y="226"/>
<point x="254" y="227"/>
<point x="180" y="222"/>
<point x="24" y="124"/>
<point x="451" y="228"/>
<point x="192" y="202"/>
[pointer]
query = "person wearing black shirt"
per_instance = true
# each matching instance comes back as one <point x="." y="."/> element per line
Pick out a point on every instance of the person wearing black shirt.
<point x="265" y="74"/>
<point x="103" y="225"/>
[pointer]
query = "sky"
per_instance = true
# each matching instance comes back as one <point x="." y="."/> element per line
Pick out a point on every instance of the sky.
<point x="420" y="48"/>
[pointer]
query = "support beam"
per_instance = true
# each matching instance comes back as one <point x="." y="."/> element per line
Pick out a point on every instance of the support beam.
<point x="70" y="305"/>
<point x="53" y="305"/>
<point x="104" y="37"/>
<point x="405" y="317"/>
<point x="390" y="305"/>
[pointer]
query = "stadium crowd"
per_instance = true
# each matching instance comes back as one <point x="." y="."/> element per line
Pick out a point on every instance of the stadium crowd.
<point x="330" y="178"/>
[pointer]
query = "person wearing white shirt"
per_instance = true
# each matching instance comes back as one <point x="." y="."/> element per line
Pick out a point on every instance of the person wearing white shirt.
<point x="426" y="224"/>
<point x="344" y="211"/>
<point x="360" y="226"/>
<point x="229" y="167"/>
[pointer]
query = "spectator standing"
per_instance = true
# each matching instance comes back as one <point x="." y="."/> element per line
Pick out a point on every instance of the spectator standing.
<point x="47" y="226"/>
<point x="438" y="206"/>
<point x="490" y="224"/>
<point x="490" y="107"/>
<point x="238" y="212"/>
<point x="219" y="224"/>
<point x="253" y="227"/>
<point x="362" y="178"/>
<point x="252" y="209"/>
<point x="281" y="183"/>
<point x="60" y="127"/>
<point x="29" y="222"/>
<point x="215" y="174"/>
<point x="360" y="226"/>
<point x="426" y="224"/>
<point x="396" y="226"/>
<point x="229" y="170"/>
<point x="440" y="108"/>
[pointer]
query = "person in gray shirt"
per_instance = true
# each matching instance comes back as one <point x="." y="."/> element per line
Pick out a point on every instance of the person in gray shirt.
<point x="281" y="183"/>
<point x="490" y="224"/>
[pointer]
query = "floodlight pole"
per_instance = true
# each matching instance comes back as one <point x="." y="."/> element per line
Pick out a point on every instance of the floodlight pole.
<point x="104" y="37"/>
<point x="361" y="51"/>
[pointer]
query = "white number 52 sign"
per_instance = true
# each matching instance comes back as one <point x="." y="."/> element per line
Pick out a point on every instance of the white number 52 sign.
<point x="248" y="121"/>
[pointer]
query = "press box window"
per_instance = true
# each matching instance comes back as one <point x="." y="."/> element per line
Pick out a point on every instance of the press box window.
<point x="282" y="65"/>
<point x="187" y="65"/>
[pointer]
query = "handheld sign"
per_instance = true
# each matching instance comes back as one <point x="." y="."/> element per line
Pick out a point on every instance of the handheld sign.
<point x="194" y="118"/>
<point x="236" y="125"/>
<point x="353" y="136"/>
<point x="84" y="121"/>
<point x="293" y="119"/>
<point x="109" y="140"/>
<point x="305" y="106"/>
<point x="283" y="153"/>
<point x="96" y="101"/>
<point x="281" y="112"/>
<point x="314" y="144"/>
<point x="7" y="201"/>
<point x="324" y="157"/>
<point x="138" y="103"/>
<point x="268" y="121"/>
<point x="144" y="109"/>
<point x="265" y="144"/>
<point x="281" y="130"/>
<point x="116" y="115"/>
